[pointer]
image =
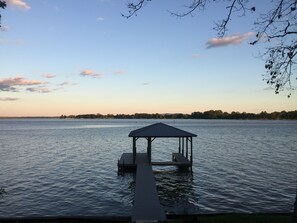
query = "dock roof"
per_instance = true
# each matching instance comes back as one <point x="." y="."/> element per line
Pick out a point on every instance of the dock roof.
<point x="160" y="130"/>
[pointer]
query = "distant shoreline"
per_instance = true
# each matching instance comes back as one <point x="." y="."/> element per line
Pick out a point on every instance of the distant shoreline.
<point x="211" y="114"/>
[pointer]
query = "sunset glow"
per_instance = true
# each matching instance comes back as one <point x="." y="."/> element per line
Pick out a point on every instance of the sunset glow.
<point x="68" y="57"/>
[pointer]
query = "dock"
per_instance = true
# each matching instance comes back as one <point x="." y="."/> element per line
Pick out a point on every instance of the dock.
<point x="146" y="205"/>
<point x="126" y="163"/>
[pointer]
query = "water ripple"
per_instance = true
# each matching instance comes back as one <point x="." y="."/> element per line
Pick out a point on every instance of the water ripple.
<point x="69" y="167"/>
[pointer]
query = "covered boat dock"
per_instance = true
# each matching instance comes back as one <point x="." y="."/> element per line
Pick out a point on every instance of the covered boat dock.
<point x="146" y="206"/>
<point x="183" y="158"/>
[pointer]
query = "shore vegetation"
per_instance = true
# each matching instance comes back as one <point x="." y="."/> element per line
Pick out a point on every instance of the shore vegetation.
<point x="211" y="114"/>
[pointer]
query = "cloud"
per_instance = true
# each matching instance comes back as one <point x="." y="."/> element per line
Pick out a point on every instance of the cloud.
<point x="20" y="4"/>
<point x="119" y="72"/>
<point x="7" y="41"/>
<point x="146" y="83"/>
<point x="228" y="40"/>
<point x="49" y="75"/>
<point x="90" y="73"/>
<point x="13" y="84"/>
<point x="195" y="55"/>
<point x="99" y="19"/>
<point x="39" y="89"/>
<point x="9" y="99"/>
<point x="4" y="28"/>
<point x="66" y="83"/>
<point x="19" y="81"/>
<point x="268" y="88"/>
<point x="5" y="87"/>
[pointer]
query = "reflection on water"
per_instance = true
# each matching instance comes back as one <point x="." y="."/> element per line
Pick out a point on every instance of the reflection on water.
<point x="69" y="167"/>
<point x="176" y="191"/>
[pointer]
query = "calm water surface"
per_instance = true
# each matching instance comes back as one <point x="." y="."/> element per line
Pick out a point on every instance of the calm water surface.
<point x="69" y="167"/>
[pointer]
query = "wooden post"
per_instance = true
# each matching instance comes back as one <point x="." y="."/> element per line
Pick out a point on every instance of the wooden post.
<point x="183" y="149"/>
<point x="191" y="151"/>
<point x="149" y="149"/>
<point x="134" y="150"/>
<point x="295" y="209"/>
<point x="179" y="143"/>
<point x="187" y="147"/>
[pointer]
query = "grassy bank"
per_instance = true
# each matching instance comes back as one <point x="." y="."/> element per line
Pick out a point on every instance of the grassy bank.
<point x="235" y="218"/>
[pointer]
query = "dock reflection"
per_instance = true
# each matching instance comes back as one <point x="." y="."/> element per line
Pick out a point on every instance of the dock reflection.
<point x="176" y="191"/>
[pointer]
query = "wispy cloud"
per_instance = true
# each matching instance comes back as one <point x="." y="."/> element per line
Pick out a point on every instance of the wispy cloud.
<point x="119" y="72"/>
<point x="14" y="84"/>
<point x="90" y="73"/>
<point x="66" y="83"/>
<point x="99" y="19"/>
<point x="39" y="89"/>
<point x="8" y="41"/>
<point x="228" y="40"/>
<point x="195" y="55"/>
<point x="4" y="28"/>
<point x="146" y="83"/>
<point x="8" y="99"/>
<point x="48" y="75"/>
<point x="269" y="88"/>
<point x="20" y="4"/>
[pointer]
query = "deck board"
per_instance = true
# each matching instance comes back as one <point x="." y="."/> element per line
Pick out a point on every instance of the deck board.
<point x="146" y="201"/>
<point x="146" y="205"/>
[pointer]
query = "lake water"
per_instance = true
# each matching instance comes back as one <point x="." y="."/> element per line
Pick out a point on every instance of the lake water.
<point x="52" y="167"/>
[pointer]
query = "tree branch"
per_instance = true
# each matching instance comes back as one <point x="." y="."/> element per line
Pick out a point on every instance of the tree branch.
<point x="134" y="8"/>
<point x="276" y="28"/>
<point x="196" y="4"/>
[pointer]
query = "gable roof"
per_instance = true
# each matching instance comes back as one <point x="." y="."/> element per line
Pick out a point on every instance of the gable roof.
<point x="160" y="130"/>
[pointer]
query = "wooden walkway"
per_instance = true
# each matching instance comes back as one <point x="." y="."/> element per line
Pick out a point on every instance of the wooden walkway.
<point x="146" y="205"/>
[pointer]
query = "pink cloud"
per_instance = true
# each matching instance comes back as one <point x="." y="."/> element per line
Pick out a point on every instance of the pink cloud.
<point x="90" y="73"/>
<point x="228" y="40"/>
<point x="13" y="84"/>
<point x="19" y="81"/>
<point x="18" y="4"/>
<point x="49" y="75"/>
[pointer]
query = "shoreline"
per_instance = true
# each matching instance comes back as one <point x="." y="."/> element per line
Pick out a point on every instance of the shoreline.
<point x="211" y="114"/>
<point x="202" y="218"/>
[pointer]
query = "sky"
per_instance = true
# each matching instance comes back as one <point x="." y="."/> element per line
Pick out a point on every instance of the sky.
<point x="80" y="57"/>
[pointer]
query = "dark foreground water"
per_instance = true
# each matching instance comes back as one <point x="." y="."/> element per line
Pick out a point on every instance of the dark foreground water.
<point x="69" y="167"/>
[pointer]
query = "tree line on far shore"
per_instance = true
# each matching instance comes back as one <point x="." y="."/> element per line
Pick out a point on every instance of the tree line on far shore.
<point x="211" y="114"/>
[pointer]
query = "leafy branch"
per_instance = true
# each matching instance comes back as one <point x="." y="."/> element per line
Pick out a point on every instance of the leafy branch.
<point x="277" y="28"/>
<point x="2" y="6"/>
